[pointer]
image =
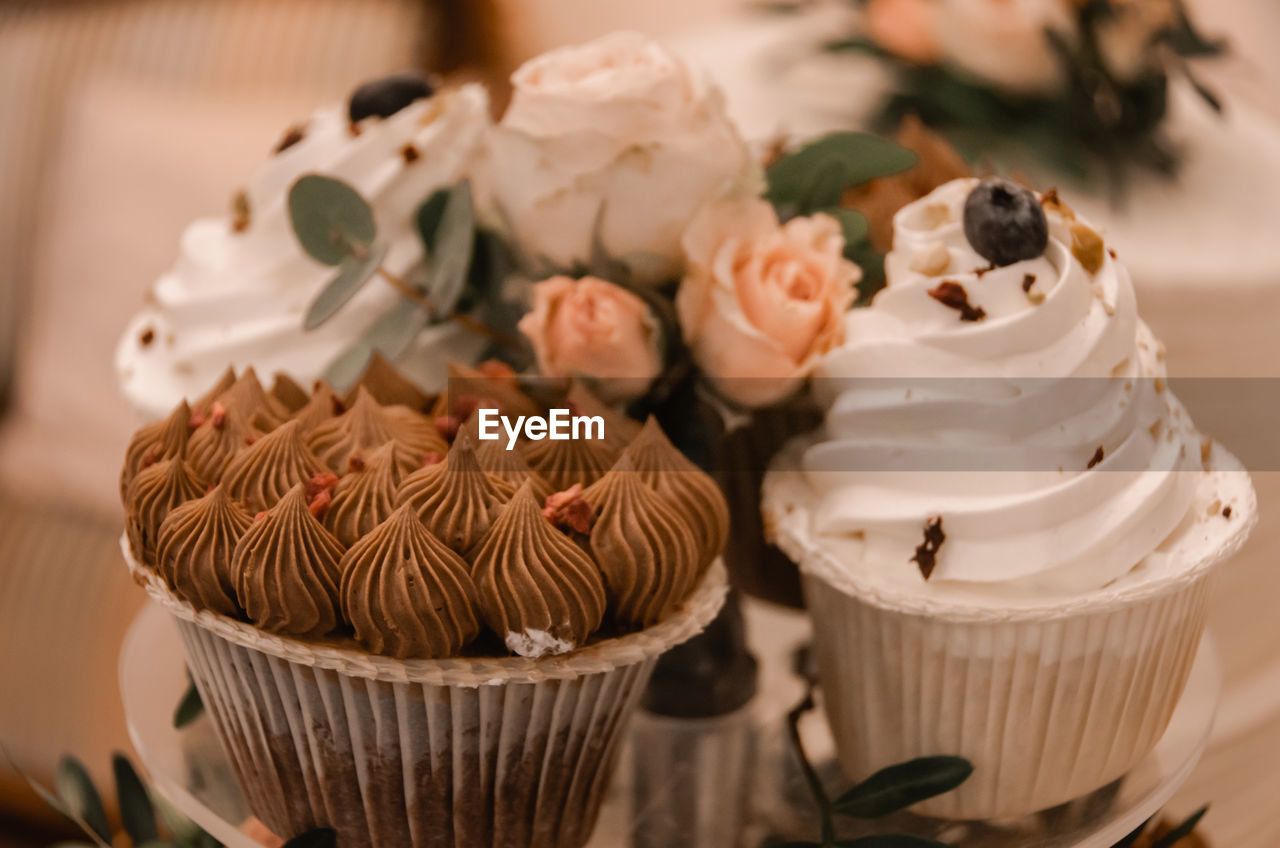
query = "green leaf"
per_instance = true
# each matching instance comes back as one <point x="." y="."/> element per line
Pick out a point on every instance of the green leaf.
<point x="190" y="708"/>
<point x="899" y="786"/>
<point x="891" y="840"/>
<point x="390" y="334"/>
<point x="1182" y="831"/>
<point x="136" y="812"/>
<point x="451" y="249"/>
<point x="428" y="218"/>
<point x="330" y="218"/>
<point x="321" y="837"/>
<point x="853" y="223"/>
<point x="817" y="174"/>
<point x="80" y="797"/>
<point x="353" y="273"/>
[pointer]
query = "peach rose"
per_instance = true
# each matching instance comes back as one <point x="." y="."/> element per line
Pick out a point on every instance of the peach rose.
<point x="762" y="301"/>
<point x="596" y="329"/>
<point x="905" y="28"/>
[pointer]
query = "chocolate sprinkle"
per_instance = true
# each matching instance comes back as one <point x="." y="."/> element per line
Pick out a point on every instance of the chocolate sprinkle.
<point x="978" y="272"/>
<point x="240" y="212"/>
<point x="1097" y="457"/>
<point x="1226" y="512"/>
<point x="147" y="337"/>
<point x="927" y="551"/>
<point x="292" y="136"/>
<point x="1028" y="280"/>
<point x="410" y="154"/>
<point x="952" y="294"/>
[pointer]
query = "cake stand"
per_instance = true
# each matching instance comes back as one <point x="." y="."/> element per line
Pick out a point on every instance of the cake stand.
<point x="188" y="767"/>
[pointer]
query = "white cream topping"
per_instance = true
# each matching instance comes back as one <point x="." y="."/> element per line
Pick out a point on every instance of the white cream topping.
<point x="238" y="298"/>
<point x="535" y="643"/>
<point x="1049" y="381"/>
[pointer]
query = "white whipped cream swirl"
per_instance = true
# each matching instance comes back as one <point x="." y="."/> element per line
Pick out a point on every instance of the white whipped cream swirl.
<point x="238" y="298"/>
<point x="1058" y="390"/>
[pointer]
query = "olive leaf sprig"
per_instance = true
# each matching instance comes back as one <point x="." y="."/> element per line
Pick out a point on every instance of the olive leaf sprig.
<point x="335" y="226"/>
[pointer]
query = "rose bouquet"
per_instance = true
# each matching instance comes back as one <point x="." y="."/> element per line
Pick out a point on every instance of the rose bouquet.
<point x="1083" y="85"/>
<point x="617" y="231"/>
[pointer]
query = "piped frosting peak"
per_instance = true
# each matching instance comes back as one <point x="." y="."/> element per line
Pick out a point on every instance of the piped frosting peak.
<point x="194" y="549"/>
<point x="456" y="499"/>
<point x="539" y="592"/>
<point x="261" y="475"/>
<point x="406" y="593"/>
<point x="286" y="571"/>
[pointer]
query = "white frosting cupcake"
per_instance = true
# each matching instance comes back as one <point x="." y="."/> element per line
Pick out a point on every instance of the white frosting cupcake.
<point x="238" y="292"/>
<point x="1006" y="523"/>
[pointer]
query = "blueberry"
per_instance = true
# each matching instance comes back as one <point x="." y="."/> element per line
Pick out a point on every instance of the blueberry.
<point x="1004" y="223"/>
<point x="384" y="97"/>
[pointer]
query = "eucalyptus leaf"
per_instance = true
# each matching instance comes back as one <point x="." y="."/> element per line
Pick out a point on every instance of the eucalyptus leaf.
<point x="451" y="249"/>
<point x="80" y="797"/>
<point x="136" y="811"/>
<point x="428" y="216"/>
<point x="190" y="708"/>
<point x="321" y="837"/>
<point x="899" y="786"/>
<point x="330" y="218"/>
<point x="1182" y="831"/>
<point x="390" y="334"/>
<point x="817" y="174"/>
<point x="353" y="273"/>
<point x="853" y="224"/>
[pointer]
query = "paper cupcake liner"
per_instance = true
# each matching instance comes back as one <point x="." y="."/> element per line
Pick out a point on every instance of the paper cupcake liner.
<point x="1049" y="702"/>
<point x="462" y="753"/>
<point x="1047" y="711"/>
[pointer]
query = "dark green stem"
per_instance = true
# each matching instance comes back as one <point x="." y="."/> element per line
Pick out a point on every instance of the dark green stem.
<point x="820" y="797"/>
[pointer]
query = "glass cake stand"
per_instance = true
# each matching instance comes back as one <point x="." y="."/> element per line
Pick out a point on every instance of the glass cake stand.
<point x="188" y="767"/>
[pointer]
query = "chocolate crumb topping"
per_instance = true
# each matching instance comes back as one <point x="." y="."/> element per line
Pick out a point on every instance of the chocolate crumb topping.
<point x="353" y="129"/>
<point x="410" y="154"/>
<point x="1028" y="280"/>
<point x="980" y="272"/>
<point x="147" y="337"/>
<point x="1097" y="457"/>
<point x="240" y="212"/>
<point x="1111" y="252"/>
<point x="951" y="294"/>
<point x="292" y="136"/>
<point x="1226" y="512"/>
<point x="926" y="556"/>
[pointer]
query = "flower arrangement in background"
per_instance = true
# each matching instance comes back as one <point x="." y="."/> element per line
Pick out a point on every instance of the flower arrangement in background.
<point x="617" y="230"/>
<point x="1081" y="84"/>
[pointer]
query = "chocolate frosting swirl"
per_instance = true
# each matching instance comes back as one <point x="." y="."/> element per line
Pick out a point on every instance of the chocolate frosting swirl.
<point x="563" y="462"/>
<point x="365" y="425"/>
<point x="406" y="594"/>
<point x="456" y="499"/>
<point x="223" y="435"/>
<point x="692" y="492"/>
<point x="194" y="548"/>
<point x="203" y="403"/>
<point x="389" y="387"/>
<point x="286" y="571"/>
<point x="646" y="551"/>
<point x="538" y="590"/>
<point x="288" y="393"/>
<point x="247" y="396"/>
<point x="366" y="496"/>
<point x="510" y="467"/>
<point x="158" y="440"/>
<point x="323" y="405"/>
<point x="262" y="475"/>
<point x="157" y="489"/>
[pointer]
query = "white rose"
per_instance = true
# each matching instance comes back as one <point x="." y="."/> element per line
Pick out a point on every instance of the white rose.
<point x="615" y="134"/>
<point x="1003" y="42"/>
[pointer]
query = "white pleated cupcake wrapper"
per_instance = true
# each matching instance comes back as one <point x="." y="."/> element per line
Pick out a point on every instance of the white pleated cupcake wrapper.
<point x="464" y="753"/>
<point x="1047" y="711"/>
<point x="1048" y="702"/>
